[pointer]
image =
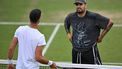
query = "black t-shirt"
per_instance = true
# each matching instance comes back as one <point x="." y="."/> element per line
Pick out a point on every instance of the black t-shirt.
<point x="85" y="29"/>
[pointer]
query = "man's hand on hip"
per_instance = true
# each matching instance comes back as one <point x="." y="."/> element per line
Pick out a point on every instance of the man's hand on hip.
<point x="69" y="36"/>
<point x="99" y="39"/>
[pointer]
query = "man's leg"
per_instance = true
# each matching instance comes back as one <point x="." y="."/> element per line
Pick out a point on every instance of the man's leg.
<point x="98" y="60"/>
<point x="74" y="56"/>
<point x="88" y="57"/>
<point x="77" y="58"/>
<point x="91" y="56"/>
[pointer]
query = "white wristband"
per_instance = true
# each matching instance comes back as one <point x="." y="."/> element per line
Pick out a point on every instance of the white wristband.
<point x="10" y="61"/>
<point x="50" y="62"/>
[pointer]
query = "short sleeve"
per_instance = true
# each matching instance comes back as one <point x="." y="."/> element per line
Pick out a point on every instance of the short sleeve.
<point x="67" y="23"/>
<point x="41" y="41"/>
<point x="102" y="21"/>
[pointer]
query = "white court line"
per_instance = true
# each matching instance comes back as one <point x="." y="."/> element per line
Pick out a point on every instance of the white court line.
<point x="51" y="38"/>
<point x="117" y="25"/>
<point x="25" y="23"/>
<point x="112" y="63"/>
<point x="42" y="23"/>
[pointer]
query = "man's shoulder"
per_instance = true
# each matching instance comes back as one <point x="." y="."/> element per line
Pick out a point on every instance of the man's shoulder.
<point x="92" y="14"/>
<point x="71" y="14"/>
<point x="21" y="28"/>
<point x="39" y="34"/>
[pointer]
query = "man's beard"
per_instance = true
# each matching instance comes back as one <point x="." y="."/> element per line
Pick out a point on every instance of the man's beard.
<point x="80" y="11"/>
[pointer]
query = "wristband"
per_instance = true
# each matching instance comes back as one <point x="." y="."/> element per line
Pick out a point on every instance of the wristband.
<point x="50" y="62"/>
<point x="10" y="61"/>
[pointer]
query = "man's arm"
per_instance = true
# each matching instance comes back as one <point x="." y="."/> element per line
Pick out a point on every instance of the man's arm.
<point x="11" y="50"/>
<point x="67" y="27"/>
<point x="12" y="47"/>
<point x="104" y="32"/>
<point x="40" y="58"/>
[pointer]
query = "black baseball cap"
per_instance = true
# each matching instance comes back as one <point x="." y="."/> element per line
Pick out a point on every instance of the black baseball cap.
<point x="80" y="1"/>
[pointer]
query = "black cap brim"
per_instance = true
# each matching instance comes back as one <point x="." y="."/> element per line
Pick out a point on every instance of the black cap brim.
<point x="79" y="2"/>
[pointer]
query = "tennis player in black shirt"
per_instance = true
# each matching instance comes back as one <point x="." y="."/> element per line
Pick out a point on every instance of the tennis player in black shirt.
<point x="88" y="29"/>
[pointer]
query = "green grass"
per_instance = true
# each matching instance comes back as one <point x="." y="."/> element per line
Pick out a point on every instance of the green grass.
<point x="111" y="47"/>
<point x="5" y="38"/>
<point x="13" y="10"/>
<point x="60" y="48"/>
<point x="52" y="10"/>
<point x="108" y="5"/>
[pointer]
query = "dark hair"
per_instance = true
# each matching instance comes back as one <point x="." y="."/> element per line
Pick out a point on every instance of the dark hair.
<point x="35" y="15"/>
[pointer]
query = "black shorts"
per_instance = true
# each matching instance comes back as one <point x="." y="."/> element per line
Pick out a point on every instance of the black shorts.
<point x="90" y="56"/>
